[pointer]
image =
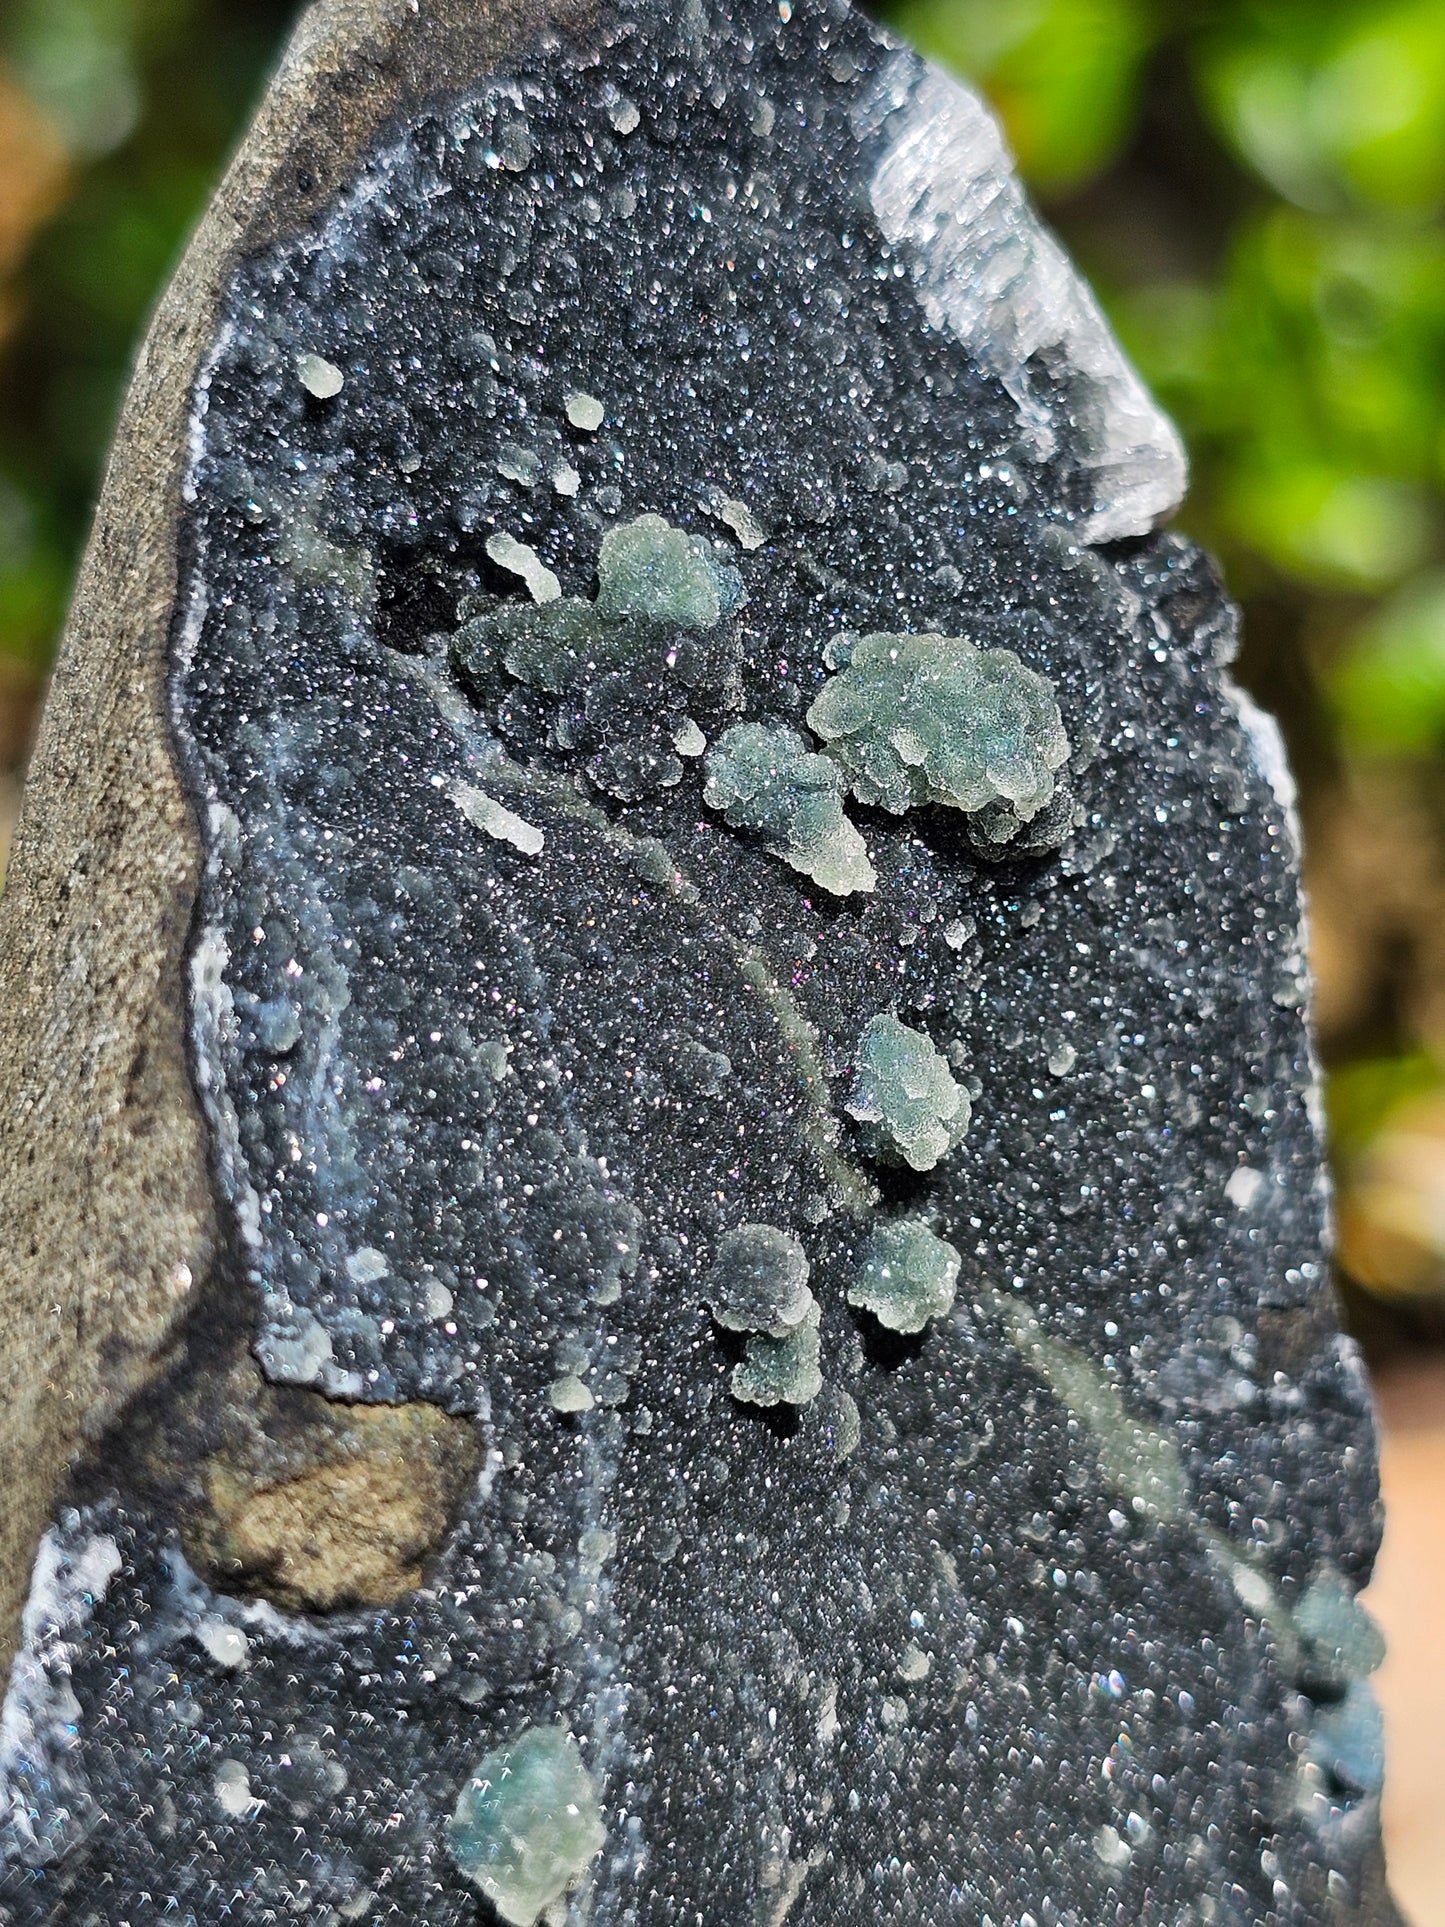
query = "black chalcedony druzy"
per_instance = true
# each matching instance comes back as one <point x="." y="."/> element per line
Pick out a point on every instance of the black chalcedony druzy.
<point x="912" y="1651"/>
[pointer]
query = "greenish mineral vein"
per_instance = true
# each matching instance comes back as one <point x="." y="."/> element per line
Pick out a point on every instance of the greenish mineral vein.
<point x="764" y="777"/>
<point x="850" y="1187"/>
<point x="905" y="1094"/>
<point x="909" y="1275"/>
<point x="527" y="1823"/>
<point x="936" y="719"/>
<point x="1136" y="1459"/>
<point x="1326" y="1641"/>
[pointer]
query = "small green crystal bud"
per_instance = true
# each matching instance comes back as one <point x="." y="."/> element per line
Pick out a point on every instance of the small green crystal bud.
<point x="527" y="1823"/>
<point x="909" y="1275"/>
<point x="903" y="1089"/>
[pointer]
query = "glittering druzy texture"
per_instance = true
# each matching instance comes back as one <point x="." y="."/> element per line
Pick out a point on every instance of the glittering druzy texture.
<point x="918" y="1474"/>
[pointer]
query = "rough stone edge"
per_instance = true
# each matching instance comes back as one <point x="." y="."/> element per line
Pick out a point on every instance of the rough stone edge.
<point x="105" y="1199"/>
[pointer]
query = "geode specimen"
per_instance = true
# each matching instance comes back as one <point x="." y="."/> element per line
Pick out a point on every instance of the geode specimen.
<point x="765" y="1351"/>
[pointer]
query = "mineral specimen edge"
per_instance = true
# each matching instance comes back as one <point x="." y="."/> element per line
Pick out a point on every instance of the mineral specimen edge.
<point x="106" y="857"/>
<point x="881" y="1464"/>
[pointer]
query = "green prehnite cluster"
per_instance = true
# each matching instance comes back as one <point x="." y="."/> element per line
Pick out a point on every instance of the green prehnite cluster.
<point x="527" y="1823"/>
<point x="763" y="777"/>
<point x="1342" y="1640"/>
<point x="652" y="572"/>
<point x="759" y="1284"/>
<point x="904" y="1092"/>
<point x="651" y="577"/>
<point x="759" y="1281"/>
<point x="909" y="1275"/>
<point x="781" y="1371"/>
<point x="935" y="719"/>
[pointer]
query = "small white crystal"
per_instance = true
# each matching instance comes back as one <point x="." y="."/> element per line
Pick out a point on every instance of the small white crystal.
<point x="569" y="1394"/>
<point x="518" y="559"/>
<point x="436" y="1300"/>
<point x="226" y="1643"/>
<point x="584" y="411"/>
<point x="232" y="1784"/>
<point x="489" y="815"/>
<point x="520" y="465"/>
<point x="319" y="377"/>
<point x="744" y="524"/>
<point x="1243" y="1186"/>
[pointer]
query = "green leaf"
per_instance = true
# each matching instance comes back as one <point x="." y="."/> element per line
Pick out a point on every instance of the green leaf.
<point x="1330" y="526"/>
<point x="1062" y="74"/>
<point x="1363" y="1096"/>
<point x="1333" y="104"/>
<point x="1389" y="686"/>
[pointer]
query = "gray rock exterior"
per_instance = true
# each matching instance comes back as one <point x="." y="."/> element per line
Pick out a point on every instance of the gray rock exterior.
<point x="655" y="1389"/>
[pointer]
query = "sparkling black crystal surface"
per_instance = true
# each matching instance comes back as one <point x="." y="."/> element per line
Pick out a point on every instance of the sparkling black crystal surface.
<point x="913" y="1651"/>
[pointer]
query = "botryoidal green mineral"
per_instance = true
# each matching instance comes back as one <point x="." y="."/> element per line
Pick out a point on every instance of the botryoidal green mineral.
<point x="759" y="1284"/>
<point x="904" y="1091"/>
<point x="764" y="777"/>
<point x="1343" y="1641"/>
<point x="651" y="578"/>
<point x="527" y="1823"/>
<point x="649" y="571"/>
<point x="935" y="719"/>
<point x="909" y="1275"/>
<point x="783" y="1370"/>
<point x="1347" y="1740"/>
<point x="759" y="1281"/>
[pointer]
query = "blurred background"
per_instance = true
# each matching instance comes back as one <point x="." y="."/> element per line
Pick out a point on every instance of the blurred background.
<point x="1256" y="189"/>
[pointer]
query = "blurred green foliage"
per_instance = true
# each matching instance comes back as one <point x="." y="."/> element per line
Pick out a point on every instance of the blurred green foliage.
<point x="1256" y="188"/>
<point x="143" y="98"/>
<point x="1064" y="75"/>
